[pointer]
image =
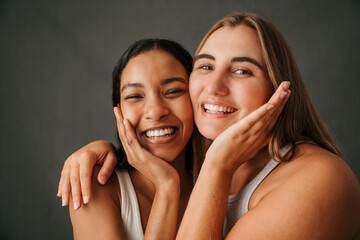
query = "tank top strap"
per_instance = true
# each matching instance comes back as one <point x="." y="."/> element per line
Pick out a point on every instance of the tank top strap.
<point x="238" y="204"/>
<point x="130" y="212"/>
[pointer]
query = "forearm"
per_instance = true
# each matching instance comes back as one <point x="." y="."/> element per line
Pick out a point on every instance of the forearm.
<point x="205" y="213"/>
<point x="162" y="222"/>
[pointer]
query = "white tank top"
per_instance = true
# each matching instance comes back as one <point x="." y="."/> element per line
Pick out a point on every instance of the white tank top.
<point x="238" y="204"/>
<point x="130" y="212"/>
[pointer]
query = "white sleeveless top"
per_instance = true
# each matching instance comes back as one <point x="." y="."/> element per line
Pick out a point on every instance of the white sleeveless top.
<point x="130" y="212"/>
<point x="238" y="204"/>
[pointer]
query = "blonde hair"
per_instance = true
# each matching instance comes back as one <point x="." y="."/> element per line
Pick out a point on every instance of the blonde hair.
<point x="299" y="121"/>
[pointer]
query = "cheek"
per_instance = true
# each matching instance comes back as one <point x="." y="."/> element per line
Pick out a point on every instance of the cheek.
<point x="131" y="115"/>
<point x="195" y="87"/>
<point x="251" y="95"/>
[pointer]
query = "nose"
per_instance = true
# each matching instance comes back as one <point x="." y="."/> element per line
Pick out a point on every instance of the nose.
<point x="155" y="108"/>
<point x="217" y="83"/>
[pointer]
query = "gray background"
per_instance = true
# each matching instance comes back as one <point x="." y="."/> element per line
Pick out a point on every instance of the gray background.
<point x="56" y="59"/>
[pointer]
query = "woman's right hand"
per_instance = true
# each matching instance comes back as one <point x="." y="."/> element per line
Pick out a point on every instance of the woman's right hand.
<point x="76" y="174"/>
<point x="158" y="171"/>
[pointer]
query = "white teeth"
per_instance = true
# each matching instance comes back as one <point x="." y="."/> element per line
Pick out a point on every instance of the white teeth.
<point x="159" y="133"/>
<point x="218" y="109"/>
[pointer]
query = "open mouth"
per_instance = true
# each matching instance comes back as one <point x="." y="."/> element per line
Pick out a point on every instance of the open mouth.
<point x="210" y="108"/>
<point x="160" y="132"/>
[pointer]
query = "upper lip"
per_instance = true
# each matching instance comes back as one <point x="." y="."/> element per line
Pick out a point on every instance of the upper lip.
<point x="217" y="102"/>
<point x="157" y="128"/>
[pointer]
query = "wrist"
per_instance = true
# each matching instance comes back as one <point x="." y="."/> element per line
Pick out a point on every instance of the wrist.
<point x="216" y="167"/>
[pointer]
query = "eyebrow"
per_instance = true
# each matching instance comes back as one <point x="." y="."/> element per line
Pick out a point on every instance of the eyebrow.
<point x="207" y="56"/>
<point x="246" y="59"/>
<point x="163" y="82"/>
<point x="174" y="79"/>
<point x="138" y="85"/>
<point x="235" y="59"/>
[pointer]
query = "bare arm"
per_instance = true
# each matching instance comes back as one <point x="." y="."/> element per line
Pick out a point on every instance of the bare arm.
<point x="101" y="218"/>
<point x="162" y="222"/>
<point x="208" y="201"/>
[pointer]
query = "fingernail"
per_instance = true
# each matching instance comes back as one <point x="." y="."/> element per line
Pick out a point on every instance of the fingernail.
<point x="286" y="85"/>
<point x="102" y="179"/>
<point x="86" y="199"/>
<point x="76" y="205"/>
<point x="63" y="202"/>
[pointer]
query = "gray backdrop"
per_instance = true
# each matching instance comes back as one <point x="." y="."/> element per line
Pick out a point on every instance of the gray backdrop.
<point x="56" y="59"/>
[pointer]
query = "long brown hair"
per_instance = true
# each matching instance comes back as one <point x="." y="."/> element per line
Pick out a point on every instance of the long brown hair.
<point x="299" y="121"/>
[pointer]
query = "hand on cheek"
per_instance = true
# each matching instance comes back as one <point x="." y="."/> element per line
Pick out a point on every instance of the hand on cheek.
<point x="241" y="141"/>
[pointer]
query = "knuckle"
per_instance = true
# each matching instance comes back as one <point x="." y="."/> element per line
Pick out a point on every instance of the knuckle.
<point x="74" y="178"/>
<point x="129" y="142"/>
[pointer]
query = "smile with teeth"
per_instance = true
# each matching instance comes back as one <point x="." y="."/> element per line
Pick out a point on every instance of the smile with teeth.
<point x="160" y="133"/>
<point x="209" y="108"/>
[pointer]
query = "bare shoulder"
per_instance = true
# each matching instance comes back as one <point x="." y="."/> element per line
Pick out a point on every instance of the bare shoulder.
<point x="100" y="218"/>
<point x="320" y="170"/>
<point x="314" y="196"/>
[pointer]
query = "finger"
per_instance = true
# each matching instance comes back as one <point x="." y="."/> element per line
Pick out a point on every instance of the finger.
<point x="130" y="135"/>
<point x="280" y="93"/>
<point x="284" y="96"/>
<point x="86" y="169"/>
<point x="119" y="123"/>
<point x="131" y="144"/>
<point x="59" y="192"/>
<point x="255" y="120"/>
<point x="107" y="168"/>
<point x="75" y="185"/>
<point x="64" y="184"/>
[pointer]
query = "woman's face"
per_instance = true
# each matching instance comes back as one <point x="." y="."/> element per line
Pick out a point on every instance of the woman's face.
<point x="228" y="80"/>
<point x="155" y="99"/>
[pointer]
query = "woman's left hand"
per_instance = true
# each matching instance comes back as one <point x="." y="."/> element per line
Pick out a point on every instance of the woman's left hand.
<point x="241" y="141"/>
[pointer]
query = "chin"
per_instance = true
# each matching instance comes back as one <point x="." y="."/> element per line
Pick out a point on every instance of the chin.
<point x="166" y="156"/>
<point x="209" y="132"/>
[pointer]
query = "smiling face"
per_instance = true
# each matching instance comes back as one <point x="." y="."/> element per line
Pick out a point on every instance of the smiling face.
<point x="228" y="79"/>
<point x="155" y="99"/>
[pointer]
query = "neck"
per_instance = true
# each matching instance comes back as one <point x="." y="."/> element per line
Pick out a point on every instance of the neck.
<point x="248" y="170"/>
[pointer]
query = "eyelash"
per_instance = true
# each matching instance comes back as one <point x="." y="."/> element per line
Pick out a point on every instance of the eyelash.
<point x="132" y="96"/>
<point x="205" y="67"/>
<point x="243" y="72"/>
<point x="174" y="91"/>
<point x="169" y="92"/>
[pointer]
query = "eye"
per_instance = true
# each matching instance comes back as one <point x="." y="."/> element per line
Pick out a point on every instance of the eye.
<point x="242" y="72"/>
<point x="174" y="92"/>
<point x="133" y="96"/>
<point x="205" y="67"/>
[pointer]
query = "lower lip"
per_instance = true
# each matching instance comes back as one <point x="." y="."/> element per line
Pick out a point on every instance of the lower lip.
<point x="215" y="115"/>
<point x="162" y="140"/>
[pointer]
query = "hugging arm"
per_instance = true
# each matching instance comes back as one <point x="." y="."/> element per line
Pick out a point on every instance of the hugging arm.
<point x="102" y="215"/>
<point x="78" y="168"/>
<point x="237" y="144"/>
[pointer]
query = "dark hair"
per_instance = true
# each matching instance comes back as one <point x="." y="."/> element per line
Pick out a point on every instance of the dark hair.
<point x="171" y="47"/>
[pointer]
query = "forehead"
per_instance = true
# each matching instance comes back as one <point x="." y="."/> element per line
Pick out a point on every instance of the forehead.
<point x="153" y="65"/>
<point x="236" y="41"/>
